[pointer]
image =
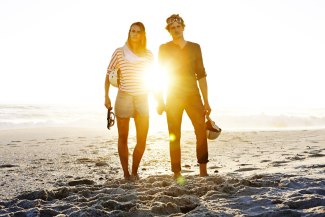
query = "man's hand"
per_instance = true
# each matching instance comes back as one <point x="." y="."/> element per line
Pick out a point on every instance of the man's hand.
<point x="207" y="109"/>
<point x="161" y="108"/>
<point x="107" y="102"/>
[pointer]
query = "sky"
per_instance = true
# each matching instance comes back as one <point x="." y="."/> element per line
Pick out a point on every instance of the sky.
<point x="257" y="54"/>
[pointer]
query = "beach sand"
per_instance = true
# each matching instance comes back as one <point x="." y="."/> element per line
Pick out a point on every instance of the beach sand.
<point x="76" y="172"/>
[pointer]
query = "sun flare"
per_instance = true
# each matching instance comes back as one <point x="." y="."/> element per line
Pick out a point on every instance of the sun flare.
<point x="155" y="78"/>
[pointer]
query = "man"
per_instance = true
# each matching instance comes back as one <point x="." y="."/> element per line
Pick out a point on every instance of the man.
<point x="187" y="79"/>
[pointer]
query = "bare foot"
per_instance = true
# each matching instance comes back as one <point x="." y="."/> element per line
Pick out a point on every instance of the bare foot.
<point x="203" y="170"/>
<point x="177" y="175"/>
<point x="179" y="178"/>
<point x="135" y="177"/>
<point x="127" y="177"/>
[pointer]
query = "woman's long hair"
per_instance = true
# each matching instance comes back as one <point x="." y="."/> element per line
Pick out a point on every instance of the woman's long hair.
<point x="143" y="42"/>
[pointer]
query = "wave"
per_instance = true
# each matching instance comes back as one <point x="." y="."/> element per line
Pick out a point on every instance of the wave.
<point x="28" y="116"/>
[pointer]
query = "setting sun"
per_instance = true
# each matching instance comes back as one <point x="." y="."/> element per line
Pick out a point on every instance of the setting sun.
<point x="155" y="78"/>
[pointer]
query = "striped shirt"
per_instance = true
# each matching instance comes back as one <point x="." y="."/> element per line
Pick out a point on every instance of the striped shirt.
<point x="133" y="70"/>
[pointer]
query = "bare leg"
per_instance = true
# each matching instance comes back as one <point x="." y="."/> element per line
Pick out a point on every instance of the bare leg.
<point x="142" y="126"/>
<point x="123" y="150"/>
<point x="203" y="170"/>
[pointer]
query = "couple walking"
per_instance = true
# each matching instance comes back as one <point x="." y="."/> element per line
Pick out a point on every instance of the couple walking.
<point x="185" y="65"/>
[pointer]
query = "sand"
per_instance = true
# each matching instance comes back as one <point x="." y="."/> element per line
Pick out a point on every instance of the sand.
<point x="76" y="172"/>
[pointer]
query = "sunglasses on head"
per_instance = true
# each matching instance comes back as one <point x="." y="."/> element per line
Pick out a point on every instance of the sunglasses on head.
<point x="173" y="20"/>
<point x="110" y="118"/>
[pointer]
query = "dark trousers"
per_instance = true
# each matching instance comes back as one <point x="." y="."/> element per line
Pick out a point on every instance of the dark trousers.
<point x="193" y="106"/>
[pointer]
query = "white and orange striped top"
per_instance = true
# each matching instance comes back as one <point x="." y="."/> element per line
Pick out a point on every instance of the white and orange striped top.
<point x="133" y="69"/>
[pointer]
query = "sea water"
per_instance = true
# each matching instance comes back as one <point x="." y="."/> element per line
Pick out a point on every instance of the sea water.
<point x="39" y="115"/>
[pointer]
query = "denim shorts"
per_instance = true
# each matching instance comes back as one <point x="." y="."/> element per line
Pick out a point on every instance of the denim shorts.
<point x="128" y="106"/>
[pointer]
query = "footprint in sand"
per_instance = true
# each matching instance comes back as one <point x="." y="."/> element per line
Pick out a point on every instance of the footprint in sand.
<point x="100" y="163"/>
<point x="244" y="164"/>
<point x="296" y="157"/>
<point x="84" y="160"/>
<point x="187" y="171"/>
<point x="81" y="182"/>
<point x="12" y="145"/>
<point x="315" y="166"/>
<point x="257" y="155"/>
<point x="278" y="163"/>
<point x="8" y="166"/>
<point x="215" y="167"/>
<point x="318" y="166"/>
<point x="246" y="169"/>
<point x="317" y="155"/>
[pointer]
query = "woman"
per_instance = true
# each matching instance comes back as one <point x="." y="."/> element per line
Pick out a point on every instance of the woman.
<point x="133" y="60"/>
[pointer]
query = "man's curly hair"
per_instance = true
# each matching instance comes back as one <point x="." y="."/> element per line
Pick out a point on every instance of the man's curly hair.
<point x="174" y="18"/>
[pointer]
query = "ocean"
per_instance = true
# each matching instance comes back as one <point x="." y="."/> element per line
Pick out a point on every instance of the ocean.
<point x="13" y="116"/>
<point x="35" y="115"/>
